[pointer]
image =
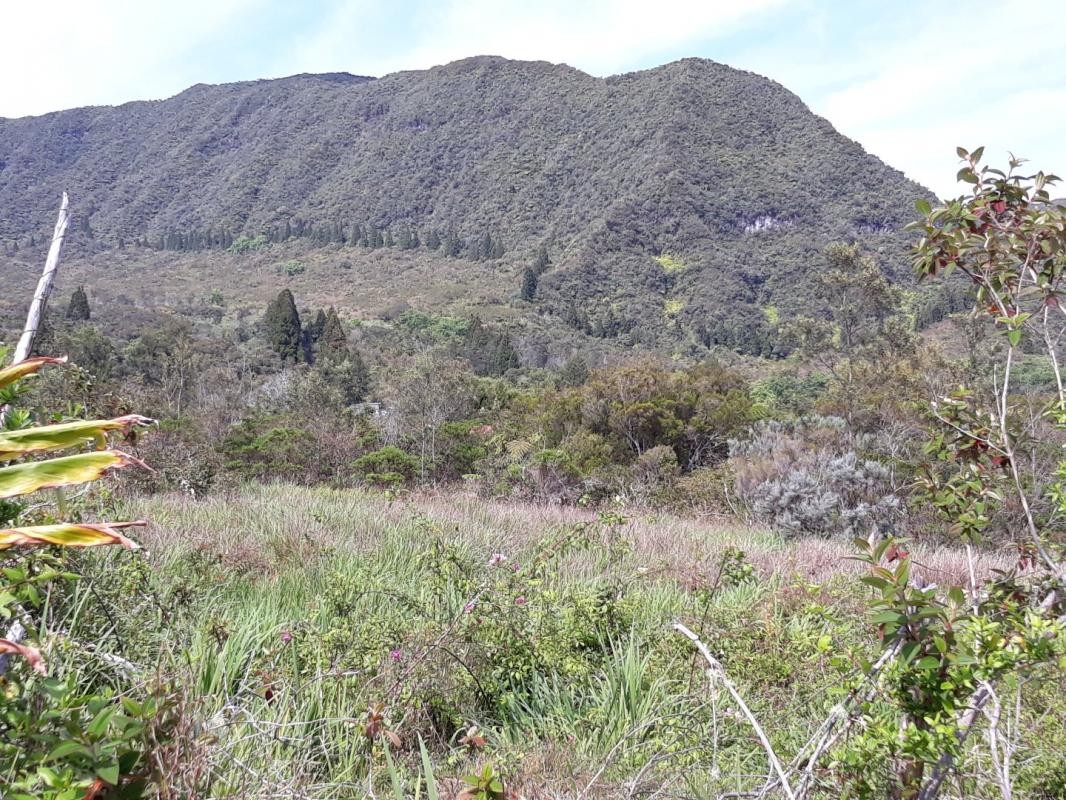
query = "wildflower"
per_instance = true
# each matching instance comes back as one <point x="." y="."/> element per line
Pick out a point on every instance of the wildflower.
<point x="286" y="637"/>
<point x="514" y="567"/>
<point x="396" y="655"/>
<point x="496" y="559"/>
<point x="520" y="601"/>
<point x="469" y="607"/>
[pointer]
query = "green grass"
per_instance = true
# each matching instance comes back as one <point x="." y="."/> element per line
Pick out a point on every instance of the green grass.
<point x="280" y="618"/>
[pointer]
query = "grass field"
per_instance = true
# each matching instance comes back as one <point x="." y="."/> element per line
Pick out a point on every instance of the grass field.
<point x="333" y="644"/>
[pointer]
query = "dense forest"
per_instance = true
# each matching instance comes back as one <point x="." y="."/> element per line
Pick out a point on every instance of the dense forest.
<point x="673" y="205"/>
<point x="376" y="442"/>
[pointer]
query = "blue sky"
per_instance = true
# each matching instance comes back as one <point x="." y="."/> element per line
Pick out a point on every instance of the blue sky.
<point x="909" y="80"/>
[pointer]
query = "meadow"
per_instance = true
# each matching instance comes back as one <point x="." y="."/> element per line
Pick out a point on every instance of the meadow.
<point x="327" y="643"/>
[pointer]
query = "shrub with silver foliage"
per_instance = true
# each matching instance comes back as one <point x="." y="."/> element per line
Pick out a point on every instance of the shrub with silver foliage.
<point x="805" y="478"/>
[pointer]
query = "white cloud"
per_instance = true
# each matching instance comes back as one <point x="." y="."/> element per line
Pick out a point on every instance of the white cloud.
<point x="601" y="36"/>
<point x="991" y="76"/>
<point x="63" y="54"/>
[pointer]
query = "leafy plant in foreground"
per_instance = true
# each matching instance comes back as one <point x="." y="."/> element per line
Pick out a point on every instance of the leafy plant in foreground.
<point x="58" y="742"/>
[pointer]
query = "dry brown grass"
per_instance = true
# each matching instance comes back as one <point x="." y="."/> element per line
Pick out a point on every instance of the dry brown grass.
<point x="261" y="529"/>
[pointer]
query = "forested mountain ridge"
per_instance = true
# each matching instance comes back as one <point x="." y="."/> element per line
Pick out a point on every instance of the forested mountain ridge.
<point x="680" y="201"/>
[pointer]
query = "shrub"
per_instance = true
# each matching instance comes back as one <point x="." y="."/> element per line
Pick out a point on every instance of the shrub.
<point x="389" y="466"/>
<point x="293" y="267"/>
<point x="804" y="477"/>
<point x="247" y="244"/>
<point x="654" y="472"/>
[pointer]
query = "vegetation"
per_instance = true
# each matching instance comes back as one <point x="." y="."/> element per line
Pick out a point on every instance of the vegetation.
<point x="726" y="219"/>
<point x="447" y="549"/>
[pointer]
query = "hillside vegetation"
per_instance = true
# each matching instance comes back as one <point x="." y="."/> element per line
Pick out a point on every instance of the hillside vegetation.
<point x="673" y="204"/>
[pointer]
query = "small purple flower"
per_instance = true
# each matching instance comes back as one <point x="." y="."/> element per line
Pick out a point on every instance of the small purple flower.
<point x="496" y="559"/>
<point x="286" y="637"/>
<point x="396" y="655"/>
<point x="469" y="607"/>
<point x="520" y="601"/>
<point x="514" y="567"/>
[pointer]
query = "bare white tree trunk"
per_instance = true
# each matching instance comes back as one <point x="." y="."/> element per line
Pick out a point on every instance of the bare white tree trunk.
<point x="16" y="631"/>
<point x="44" y="285"/>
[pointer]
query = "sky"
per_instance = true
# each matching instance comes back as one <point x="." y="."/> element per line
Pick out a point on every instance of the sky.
<point x="909" y="80"/>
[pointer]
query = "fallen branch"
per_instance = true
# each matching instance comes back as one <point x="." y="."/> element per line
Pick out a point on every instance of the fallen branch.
<point x="717" y="671"/>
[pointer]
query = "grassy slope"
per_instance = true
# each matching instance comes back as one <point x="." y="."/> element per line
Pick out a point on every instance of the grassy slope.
<point x="372" y="593"/>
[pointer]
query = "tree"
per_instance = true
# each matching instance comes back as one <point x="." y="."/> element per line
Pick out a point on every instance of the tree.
<point x="78" y="309"/>
<point x="349" y="376"/>
<point x="861" y="329"/>
<point x="283" y="329"/>
<point x="433" y="240"/>
<point x="424" y="397"/>
<point x="529" y="285"/>
<point x="315" y="329"/>
<point x="947" y="650"/>
<point x="333" y="342"/>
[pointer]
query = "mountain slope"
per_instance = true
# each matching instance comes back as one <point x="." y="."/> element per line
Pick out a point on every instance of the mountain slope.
<point x="725" y="173"/>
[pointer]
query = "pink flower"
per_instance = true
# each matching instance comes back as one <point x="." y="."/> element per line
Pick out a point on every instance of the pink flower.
<point x="469" y="607"/>
<point x="396" y="655"/>
<point x="520" y="601"/>
<point x="286" y="637"/>
<point x="496" y="559"/>
<point x="514" y="567"/>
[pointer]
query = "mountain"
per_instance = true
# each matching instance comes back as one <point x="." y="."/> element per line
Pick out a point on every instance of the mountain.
<point x="677" y="203"/>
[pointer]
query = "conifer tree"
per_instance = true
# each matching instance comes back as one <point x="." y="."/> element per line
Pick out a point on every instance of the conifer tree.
<point x="78" y="310"/>
<point x="316" y="328"/>
<point x="529" y="285"/>
<point x="504" y="357"/>
<point x="453" y="245"/>
<point x="433" y="240"/>
<point x="283" y="326"/>
<point x="333" y="342"/>
<point x="574" y="372"/>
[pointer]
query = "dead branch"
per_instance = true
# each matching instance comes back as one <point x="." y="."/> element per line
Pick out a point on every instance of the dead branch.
<point x="44" y="285"/>
<point x="717" y="671"/>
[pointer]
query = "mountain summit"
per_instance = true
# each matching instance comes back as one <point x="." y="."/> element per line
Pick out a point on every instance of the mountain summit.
<point x="686" y="197"/>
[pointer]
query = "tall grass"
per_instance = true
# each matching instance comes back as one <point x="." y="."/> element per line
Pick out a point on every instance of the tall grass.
<point x="283" y="616"/>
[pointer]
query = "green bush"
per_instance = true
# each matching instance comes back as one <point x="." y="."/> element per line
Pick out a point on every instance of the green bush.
<point x="247" y="244"/>
<point x="389" y="466"/>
